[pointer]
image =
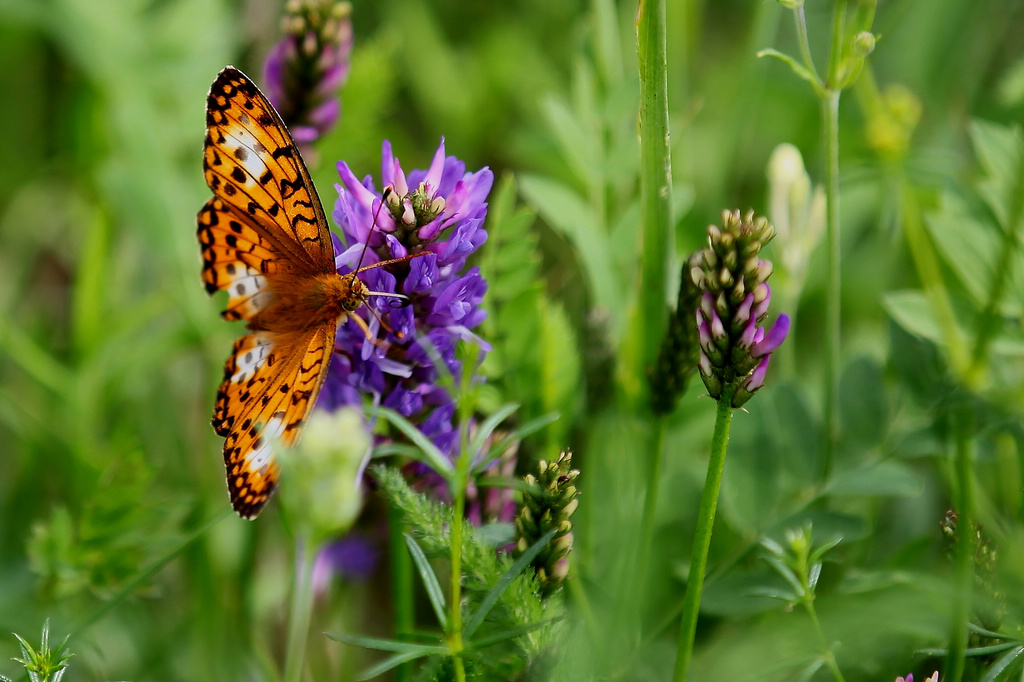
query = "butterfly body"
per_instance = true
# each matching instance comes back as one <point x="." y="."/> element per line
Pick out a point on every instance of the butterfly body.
<point x="298" y="304"/>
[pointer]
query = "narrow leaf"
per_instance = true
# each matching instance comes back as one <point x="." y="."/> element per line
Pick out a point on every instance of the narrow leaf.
<point x="387" y="664"/>
<point x="429" y="581"/>
<point x="488" y="426"/>
<point x="1005" y="661"/>
<point x="505" y="635"/>
<point x="436" y="458"/>
<point x="380" y="644"/>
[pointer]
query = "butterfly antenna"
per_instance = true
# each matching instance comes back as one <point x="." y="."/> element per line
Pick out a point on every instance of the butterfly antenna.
<point x="383" y="198"/>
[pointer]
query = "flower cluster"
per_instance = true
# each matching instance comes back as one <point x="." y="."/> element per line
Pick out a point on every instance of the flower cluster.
<point x="735" y="350"/>
<point x="304" y="71"/>
<point x="548" y="503"/>
<point x="440" y="212"/>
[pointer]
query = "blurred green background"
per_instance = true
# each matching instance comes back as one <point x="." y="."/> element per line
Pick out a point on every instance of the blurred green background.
<point x="110" y="351"/>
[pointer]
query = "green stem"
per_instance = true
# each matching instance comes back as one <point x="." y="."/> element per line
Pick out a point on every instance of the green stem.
<point x="655" y="180"/>
<point x="805" y="44"/>
<point x="826" y="651"/>
<point x="835" y="55"/>
<point x="401" y="586"/>
<point x="301" y="611"/>
<point x="830" y="123"/>
<point x="455" y="643"/>
<point x="964" y="570"/>
<point x="702" y="537"/>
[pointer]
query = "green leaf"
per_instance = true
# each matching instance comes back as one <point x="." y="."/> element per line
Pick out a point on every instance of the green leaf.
<point x="491" y="598"/>
<point x="999" y="150"/>
<point x="887" y="478"/>
<point x="487" y="427"/>
<point x="389" y="663"/>
<point x="912" y="311"/>
<point x="572" y="216"/>
<point x="380" y="644"/>
<point x="505" y="635"/>
<point x="435" y="457"/>
<point x="1006" y="663"/>
<point x="429" y="581"/>
<point x="863" y="405"/>
<point x="519" y="434"/>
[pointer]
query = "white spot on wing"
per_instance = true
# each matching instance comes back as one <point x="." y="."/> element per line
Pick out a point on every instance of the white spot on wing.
<point x="251" y="359"/>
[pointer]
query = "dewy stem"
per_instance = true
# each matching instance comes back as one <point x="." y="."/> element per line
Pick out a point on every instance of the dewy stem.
<point x="301" y="611"/>
<point x="702" y="536"/>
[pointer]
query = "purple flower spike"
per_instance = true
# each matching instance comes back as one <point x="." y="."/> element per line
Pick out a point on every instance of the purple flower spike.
<point x="733" y="306"/>
<point x="444" y="299"/>
<point x="304" y="71"/>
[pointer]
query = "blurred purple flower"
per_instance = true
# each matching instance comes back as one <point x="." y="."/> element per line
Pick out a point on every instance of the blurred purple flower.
<point x="353" y="557"/>
<point x="304" y="70"/>
<point x="439" y="211"/>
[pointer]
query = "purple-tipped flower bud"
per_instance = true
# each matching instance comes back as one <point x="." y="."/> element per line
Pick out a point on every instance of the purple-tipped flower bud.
<point x="734" y="305"/>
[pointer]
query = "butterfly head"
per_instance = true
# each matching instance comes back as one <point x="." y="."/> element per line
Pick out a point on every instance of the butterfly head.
<point x="352" y="293"/>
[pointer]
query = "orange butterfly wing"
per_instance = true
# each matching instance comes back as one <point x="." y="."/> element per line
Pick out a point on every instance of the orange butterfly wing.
<point x="264" y="221"/>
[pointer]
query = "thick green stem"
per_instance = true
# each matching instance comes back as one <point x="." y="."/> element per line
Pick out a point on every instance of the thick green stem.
<point x="301" y="611"/>
<point x="830" y="125"/>
<point x="702" y="537"/>
<point x="401" y="586"/>
<point x="655" y="182"/>
<point x="964" y="573"/>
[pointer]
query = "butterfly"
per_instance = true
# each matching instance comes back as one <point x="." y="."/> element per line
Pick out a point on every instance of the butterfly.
<point x="265" y="240"/>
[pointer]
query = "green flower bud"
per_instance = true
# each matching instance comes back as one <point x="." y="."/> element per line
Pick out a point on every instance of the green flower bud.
<point x="323" y="495"/>
<point x="864" y="43"/>
<point x="547" y="504"/>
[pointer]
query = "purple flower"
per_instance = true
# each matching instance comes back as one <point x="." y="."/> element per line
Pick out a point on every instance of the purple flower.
<point x="440" y="212"/>
<point x="734" y="348"/>
<point x="353" y="557"/>
<point x="304" y="71"/>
